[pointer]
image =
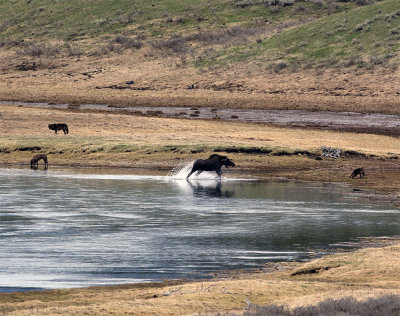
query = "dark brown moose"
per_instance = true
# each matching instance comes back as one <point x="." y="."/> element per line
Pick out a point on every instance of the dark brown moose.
<point x="213" y="163"/>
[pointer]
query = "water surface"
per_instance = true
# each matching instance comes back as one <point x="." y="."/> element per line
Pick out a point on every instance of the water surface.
<point x="73" y="228"/>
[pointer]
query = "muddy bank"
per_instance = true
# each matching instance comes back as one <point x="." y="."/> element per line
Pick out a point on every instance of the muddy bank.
<point x="373" y="123"/>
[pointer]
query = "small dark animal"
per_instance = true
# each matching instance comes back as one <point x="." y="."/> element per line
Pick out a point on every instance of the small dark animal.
<point x="358" y="171"/>
<point x="35" y="161"/>
<point x="213" y="163"/>
<point x="58" y="127"/>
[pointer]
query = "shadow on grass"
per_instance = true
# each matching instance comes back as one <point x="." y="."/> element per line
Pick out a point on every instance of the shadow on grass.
<point x="388" y="305"/>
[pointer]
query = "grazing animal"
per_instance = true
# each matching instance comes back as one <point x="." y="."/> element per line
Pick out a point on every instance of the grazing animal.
<point x="213" y="163"/>
<point x="358" y="171"/>
<point x="58" y="127"/>
<point x="35" y="161"/>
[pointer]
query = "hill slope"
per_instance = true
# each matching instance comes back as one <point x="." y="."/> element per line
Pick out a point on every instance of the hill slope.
<point x="289" y="31"/>
<point x="302" y="54"/>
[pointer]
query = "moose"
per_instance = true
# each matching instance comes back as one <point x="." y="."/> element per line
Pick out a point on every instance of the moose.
<point x="35" y="161"/>
<point x="358" y="171"/>
<point x="213" y="163"/>
<point x="59" y="127"/>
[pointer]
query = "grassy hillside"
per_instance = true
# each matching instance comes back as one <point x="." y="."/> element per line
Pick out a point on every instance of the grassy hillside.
<point x="275" y="34"/>
<point x="364" y="36"/>
<point x="71" y="20"/>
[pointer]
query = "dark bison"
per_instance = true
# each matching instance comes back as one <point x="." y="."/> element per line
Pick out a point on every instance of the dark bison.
<point x="59" y="127"/>
<point x="213" y="163"/>
<point x="358" y="171"/>
<point x="35" y="161"/>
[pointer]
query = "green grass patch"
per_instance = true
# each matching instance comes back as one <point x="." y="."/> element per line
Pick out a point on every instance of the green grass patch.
<point x="371" y="31"/>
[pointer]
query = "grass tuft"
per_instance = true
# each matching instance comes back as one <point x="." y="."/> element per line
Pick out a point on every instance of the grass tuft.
<point x="388" y="305"/>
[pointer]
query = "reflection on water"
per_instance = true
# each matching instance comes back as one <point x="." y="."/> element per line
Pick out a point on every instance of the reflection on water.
<point x="214" y="189"/>
<point x="70" y="228"/>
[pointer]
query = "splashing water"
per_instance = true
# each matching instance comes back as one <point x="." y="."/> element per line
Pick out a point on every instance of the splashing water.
<point x="181" y="171"/>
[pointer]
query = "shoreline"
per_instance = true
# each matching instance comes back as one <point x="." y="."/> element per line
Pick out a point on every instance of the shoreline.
<point x="281" y="283"/>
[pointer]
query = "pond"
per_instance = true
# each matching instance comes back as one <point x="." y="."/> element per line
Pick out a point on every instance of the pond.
<point x="65" y="228"/>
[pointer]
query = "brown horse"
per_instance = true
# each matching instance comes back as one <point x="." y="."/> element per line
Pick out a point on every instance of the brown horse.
<point x="35" y="161"/>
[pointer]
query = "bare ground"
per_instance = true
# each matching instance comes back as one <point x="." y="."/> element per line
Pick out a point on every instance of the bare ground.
<point x="165" y="81"/>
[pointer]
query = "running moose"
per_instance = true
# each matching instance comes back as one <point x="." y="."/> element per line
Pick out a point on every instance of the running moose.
<point x="213" y="163"/>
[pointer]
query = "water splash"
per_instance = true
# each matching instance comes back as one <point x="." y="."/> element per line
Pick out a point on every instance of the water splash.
<point x="181" y="171"/>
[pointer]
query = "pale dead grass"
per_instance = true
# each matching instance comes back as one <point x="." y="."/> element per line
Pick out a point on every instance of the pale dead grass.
<point x="20" y="122"/>
<point x="365" y="273"/>
<point x="82" y="80"/>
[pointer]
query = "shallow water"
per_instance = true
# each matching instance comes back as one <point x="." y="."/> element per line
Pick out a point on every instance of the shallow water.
<point x="79" y="227"/>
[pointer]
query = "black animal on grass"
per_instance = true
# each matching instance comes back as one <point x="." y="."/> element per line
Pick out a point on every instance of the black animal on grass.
<point x="59" y="127"/>
<point x="35" y="161"/>
<point x="358" y="171"/>
<point x="213" y="163"/>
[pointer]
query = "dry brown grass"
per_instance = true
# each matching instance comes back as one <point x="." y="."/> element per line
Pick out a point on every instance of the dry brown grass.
<point x="30" y="122"/>
<point x="83" y="80"/>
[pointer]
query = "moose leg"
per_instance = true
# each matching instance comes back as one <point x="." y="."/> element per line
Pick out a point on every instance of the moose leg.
<point x="198" y="172"/>
<point x="191" y="172"/>
<point x="219" y="172"/>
